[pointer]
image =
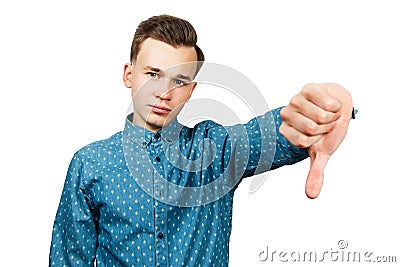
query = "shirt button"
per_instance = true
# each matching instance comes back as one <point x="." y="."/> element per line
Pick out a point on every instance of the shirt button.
<point x="160" y="235"/>
<point x="159" y="193"/>
<point x="157" y="136"/>
<point x="158" y="158"/>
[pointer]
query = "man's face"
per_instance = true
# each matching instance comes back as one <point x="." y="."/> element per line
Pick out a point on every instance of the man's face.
<point x="160" y="82"/>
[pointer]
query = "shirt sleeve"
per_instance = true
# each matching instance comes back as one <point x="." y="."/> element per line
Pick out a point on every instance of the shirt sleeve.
<point x="74" y="238"/>
<point x="285" y="152"/>
<point x="269" y="149"/>
<point x="252" y="148"/>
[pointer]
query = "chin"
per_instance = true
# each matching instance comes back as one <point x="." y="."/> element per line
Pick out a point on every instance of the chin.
<point x="160" y="121"/>
<point x="156" y="123"/>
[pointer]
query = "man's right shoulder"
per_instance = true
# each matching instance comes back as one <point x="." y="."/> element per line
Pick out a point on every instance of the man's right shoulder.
<point x="104" y="147"/>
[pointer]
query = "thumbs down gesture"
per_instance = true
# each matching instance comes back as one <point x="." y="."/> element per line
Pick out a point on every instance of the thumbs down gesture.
<point x="317" y="119"/>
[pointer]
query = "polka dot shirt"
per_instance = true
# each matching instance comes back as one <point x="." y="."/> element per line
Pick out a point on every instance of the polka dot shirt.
<point x="141" y="198"/>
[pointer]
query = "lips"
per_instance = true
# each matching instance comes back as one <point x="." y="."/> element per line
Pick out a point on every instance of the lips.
<point x="159" y="109"/>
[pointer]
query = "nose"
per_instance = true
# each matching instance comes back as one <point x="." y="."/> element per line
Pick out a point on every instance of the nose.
<point x="162" y="90"/>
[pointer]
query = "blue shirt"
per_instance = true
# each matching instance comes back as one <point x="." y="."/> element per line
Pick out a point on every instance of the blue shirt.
<point x="141" y="198"/>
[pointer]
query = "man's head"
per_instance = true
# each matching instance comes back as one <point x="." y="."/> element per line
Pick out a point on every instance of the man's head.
<point x="168" y="29"/>
<point x="164" y="57"/>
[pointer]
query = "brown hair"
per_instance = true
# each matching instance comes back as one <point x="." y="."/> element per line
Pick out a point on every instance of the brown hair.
<point x="169" y="29"/>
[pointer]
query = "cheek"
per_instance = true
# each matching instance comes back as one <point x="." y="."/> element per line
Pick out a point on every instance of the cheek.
<point x="138" y="96"/>
<point x="137" y="82"/>
<point x="142" y="96"/>
<point x="186" y="96"/>
<point x="137" y="89"/>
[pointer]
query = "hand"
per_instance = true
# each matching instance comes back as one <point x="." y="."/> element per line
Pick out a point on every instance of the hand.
<point x="317" y="118"/>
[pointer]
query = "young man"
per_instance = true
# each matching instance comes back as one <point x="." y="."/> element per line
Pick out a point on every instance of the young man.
<point x="161" y="194"/>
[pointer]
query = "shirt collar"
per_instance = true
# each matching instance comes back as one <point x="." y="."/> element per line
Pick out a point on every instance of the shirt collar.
<point x="143" y="136"/>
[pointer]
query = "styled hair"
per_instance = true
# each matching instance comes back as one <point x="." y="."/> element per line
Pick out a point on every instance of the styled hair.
<point x="174" y="31"/>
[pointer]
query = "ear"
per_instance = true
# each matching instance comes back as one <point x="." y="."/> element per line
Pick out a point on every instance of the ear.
<point x="127" y="77"/>
<point x="193" y="85"/>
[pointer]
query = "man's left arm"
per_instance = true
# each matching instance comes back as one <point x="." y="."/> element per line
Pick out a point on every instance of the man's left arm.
<point x="313" y="125"/>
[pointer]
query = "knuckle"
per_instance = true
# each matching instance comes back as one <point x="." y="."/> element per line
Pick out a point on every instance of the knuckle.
<point x="311" y="128"/>
<point x="329" y="105"/>
<point x="294" y="101"/>
<point x="331" y="127"/>
<point x="284" y="113"/>
<point x="308" y="88"/>
<point x="283" y="130"/>
<point x="302" y="141"/>
<point x="322" y="117"/>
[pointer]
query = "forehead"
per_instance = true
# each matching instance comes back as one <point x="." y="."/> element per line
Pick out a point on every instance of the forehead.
<point x="163" y="56"/>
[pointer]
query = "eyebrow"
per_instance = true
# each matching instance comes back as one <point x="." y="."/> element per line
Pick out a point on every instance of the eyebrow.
<point x="152" y="69"/>
<point x="157" y="70"/>
<point x="183" y="77"/>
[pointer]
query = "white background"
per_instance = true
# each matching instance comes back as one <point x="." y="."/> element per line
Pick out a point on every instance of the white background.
<point x="61" y="88"/>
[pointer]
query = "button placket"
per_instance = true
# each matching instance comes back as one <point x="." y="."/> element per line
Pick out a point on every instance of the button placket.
<point x="160" y="234"/>
<point x="160" y="208"/>
<point x="158" y="184"/>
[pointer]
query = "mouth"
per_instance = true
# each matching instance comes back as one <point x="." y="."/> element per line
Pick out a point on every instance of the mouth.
<point x="159" y="109"/>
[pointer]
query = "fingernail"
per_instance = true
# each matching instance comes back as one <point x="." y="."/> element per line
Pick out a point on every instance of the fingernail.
<point x="312" y="194"/>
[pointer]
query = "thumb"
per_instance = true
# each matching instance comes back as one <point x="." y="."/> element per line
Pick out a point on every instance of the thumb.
<point x="315" y="176"/>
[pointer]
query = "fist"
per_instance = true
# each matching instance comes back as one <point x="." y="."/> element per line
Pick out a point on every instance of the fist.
<point x="317" y="118"/>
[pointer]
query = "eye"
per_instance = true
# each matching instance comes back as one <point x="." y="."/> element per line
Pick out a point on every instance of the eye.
<point x="153" y="75"/>
<point x="179" y="82"/>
